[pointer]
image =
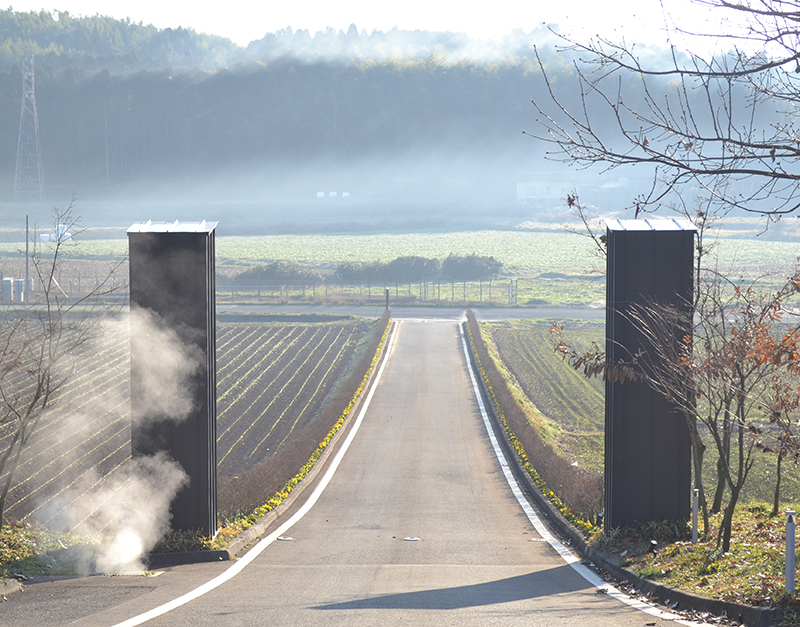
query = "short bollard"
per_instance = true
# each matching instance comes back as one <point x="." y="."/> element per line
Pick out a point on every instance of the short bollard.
<point x="695" y="507"/>
<point x="791" y="523"/>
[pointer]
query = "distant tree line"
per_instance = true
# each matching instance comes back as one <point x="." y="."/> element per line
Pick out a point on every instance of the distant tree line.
<point x="279" y="273"/>
<point x="402" y="270"/>
<point x="91" y="43"/>
<point x="124" y="105"/>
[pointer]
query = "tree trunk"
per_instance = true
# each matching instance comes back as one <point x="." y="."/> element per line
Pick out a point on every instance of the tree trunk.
<point x="10" y="475"/>
<point x="777" y="500"/>
<point x="724" y="538"/>
<point x="698" y="452"/>
<point x="720" y="489"/>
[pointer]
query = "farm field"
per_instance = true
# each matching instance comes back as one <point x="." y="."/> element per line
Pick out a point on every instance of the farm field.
<point x="539" y="247"/>
<point x="527" y="249"/>
<point x="546" y="264"/>
<point x="272" y="378"/>
<point x="574" y="406"/>
<point x="564" y="398"/>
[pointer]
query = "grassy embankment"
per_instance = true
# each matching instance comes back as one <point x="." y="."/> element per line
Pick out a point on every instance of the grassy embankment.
<point x="571" y="409"/>
<point x="576" y="491"/>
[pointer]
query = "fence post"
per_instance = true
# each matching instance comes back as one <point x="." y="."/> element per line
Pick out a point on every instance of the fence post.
<point x="695" y="505"/>
<point x="791" y="522"/>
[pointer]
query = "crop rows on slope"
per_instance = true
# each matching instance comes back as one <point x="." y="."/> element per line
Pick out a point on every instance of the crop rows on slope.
<point x="286" y="382"/>
<point x="271" y="380"/>
<point x="82" y="436"/>
<point x="559" y="392"/>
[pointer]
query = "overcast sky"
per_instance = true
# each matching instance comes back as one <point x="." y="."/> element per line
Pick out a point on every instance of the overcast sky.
<point x="245" y="20"/>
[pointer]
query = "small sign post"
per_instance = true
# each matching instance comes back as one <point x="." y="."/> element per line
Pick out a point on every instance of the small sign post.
<point x="791" y="525"/>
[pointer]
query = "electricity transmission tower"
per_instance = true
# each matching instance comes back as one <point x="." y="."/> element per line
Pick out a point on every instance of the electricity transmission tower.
<point x="28" y="177"/>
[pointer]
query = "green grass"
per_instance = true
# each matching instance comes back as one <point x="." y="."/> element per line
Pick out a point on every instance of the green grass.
<point x="572" y="403"/>
<point x="586" y="448"/>
<point x="30" y="550"/>
<point x="570" y="292"/>
<point x="752" y="572"/>
<point x="561" y="393"/>
<point x="547" y="429"/>
<point x="760" y="484"/>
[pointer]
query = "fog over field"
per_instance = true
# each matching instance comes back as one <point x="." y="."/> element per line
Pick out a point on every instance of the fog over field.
<point x="337" y="130"/>
<point x="334" y="131"/>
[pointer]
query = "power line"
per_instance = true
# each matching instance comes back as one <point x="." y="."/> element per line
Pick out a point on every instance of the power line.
<point x="29" y="176"/>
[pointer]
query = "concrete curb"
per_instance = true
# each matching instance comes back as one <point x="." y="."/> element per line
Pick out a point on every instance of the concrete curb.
<point x="9" y="587"/>
<point x="179" y="558"/>
<point x="673" y="597"/>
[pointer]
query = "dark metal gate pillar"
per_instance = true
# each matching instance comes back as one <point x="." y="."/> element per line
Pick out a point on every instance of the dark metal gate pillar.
<point x="172" y="275"/>
<point x="648" y="449"/>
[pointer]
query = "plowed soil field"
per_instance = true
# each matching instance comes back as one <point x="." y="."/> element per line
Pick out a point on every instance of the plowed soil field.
<point x="272" y="378"/>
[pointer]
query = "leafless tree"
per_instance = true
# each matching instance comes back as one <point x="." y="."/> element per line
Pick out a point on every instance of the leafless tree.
<point x="39" y="341"/>
<point x="724" y="126"/>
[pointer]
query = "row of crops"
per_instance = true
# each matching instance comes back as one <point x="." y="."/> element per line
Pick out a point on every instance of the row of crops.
<point x="573" y="404"/>
<point x="574" y="407"/>
<point x="272" y="378"/>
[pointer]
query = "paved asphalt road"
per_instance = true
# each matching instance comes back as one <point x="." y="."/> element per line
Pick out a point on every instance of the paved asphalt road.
<point x="420" y="466"/>
<point x="423" y="312"/>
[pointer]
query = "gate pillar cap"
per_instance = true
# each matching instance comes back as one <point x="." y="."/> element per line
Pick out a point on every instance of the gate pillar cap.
<point x="650" y="224"/>
<point x="172" y="227"/>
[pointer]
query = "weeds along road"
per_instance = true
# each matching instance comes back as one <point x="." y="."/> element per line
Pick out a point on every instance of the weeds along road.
<point x="417" y="527"/>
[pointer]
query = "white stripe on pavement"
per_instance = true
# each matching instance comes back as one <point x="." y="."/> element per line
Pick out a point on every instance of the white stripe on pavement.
<point x="566" y="554"/>
<point x="253" y="553"/>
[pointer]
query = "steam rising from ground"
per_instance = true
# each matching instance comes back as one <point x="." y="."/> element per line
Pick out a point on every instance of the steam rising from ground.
<point x="132" y="508"/>
<point x="165" y="369"/>
<point x="129" y="508"/>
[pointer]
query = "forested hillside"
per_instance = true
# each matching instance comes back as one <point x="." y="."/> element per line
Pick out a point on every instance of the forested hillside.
<point x="91" y="43"/>
<point x="159" y="125"/>
<point x="410" y="115"/>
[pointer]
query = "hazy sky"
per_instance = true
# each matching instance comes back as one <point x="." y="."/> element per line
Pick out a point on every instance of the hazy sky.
<point x="244" y="20"/>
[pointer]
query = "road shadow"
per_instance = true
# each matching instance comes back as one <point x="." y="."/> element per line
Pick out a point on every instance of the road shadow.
<point x="520" y="588"/>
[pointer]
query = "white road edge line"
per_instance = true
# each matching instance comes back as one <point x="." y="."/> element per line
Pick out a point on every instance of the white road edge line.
<point x="253" y="553"/>
<point x="566" y="554"/>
